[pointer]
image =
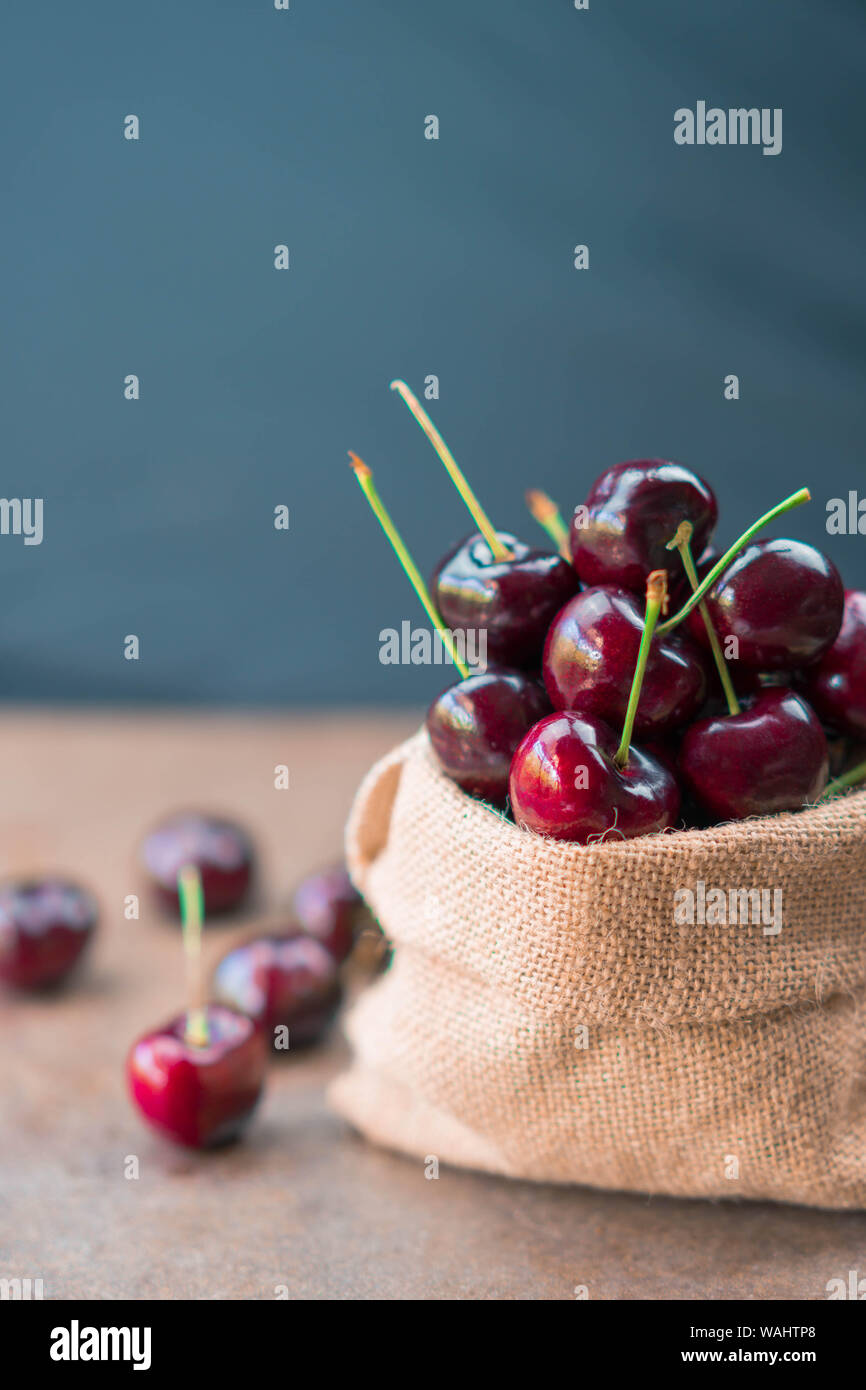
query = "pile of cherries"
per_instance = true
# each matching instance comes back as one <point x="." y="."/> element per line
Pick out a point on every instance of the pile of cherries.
<point x="273" y="993"/>
<point x="545" y="732"/>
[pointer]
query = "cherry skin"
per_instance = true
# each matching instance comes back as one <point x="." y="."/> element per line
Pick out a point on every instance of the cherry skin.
<point x="475" y="726"/>
<point x="44" y="927"/>
<point x="199" y="1095"/>
<point x="288" y="981"/>
<point x="512" y="600"/>
<point x="220" y="851"/>
<point x="836" y="687"/>
<point x="590" y="656"/>
<point x="770" y="757"/>
<point x="565" y="783"/>
<point x="634" y="509"/>
<point x="781" y="599"/>
<point x="328" y="907"/>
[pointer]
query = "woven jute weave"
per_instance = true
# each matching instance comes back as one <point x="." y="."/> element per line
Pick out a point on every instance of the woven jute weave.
<point x="547" y="1016"/>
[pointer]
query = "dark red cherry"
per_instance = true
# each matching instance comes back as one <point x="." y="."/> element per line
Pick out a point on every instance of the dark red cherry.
<point x="475" y="726"/>
<point x="591" y="653"/>
<point x="221" y="851"/>
<point x="770" y="757"/>
<point x="782" y="600"/>
<point x="836" y="687"/>
<point x="329" y="908"/>
<point x="631" y="513"/>
<point x="512" y="601"/>
<point x="44" y="927"/>
<point x="565" y="783"/>
<point x="199" y="1095"/>
<point x="286" y="980"/>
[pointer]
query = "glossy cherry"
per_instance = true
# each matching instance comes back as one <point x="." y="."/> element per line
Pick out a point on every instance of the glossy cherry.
<point x="566" y="785"/>
<point x="781" y="599"/>
<point x="284" y="980"/>
<point x="590" y="656"/>
<point x="770" y="757"/>
<point x="200" y="1095"/>
<point x="836" y="687"/>
<point x="631" y="513"/>
<point x="220" y="850"/>
<point x="512" y="600"/>
<point x="45" y="925"/>
<point x="476" y="725"/>
<point x="330" y="908"/>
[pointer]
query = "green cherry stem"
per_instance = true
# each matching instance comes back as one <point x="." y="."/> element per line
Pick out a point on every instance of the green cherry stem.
<point x="795" y="500"/>
<point x="682" y="543"/>
<point x="656" y="598"/>
<point x="365" y="479"/>
<point x="479" y="516"/>
<point x="848" y="779"/>
<point x="544" y="510"/>
<point x="192" y="915"/>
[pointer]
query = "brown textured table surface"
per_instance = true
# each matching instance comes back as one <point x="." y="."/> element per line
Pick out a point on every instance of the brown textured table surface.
<point x="303" y="1203"/>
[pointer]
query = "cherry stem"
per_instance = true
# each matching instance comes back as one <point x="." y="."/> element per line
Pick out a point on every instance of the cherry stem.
<point x="795" y="500"/>
<point x="682" y="543"/>
<point x="547" y="514"/>
<point x="656" y="599"/>
<point x="192" y="915"/>
<point x="365" y="478"/>
<point x="848" y="779"/>
<point x="498" y="550"/>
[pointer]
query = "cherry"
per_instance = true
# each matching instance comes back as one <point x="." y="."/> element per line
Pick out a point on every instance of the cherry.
<point x="287" y="980"/>
<point x="631" y="513"/>
<point x="44" y="927"/>
<point x="589" y="661"/>
<point x="572" y="780"/>
<point x="781" y="599"/>
<point x="836" y="687"/>
<point x="770" y="757"/>
<point x="512" y="600"/>
<point x="491" y="582"/>
<point x="329" y="907"/>
<point x="199" y="1094"/>
<point x="566" y="784"/>
<point x="476" y="725"/>
<point x="220" y="850"/>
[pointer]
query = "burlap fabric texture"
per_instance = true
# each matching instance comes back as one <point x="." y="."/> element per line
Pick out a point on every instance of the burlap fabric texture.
<point x="546" y="1016"/>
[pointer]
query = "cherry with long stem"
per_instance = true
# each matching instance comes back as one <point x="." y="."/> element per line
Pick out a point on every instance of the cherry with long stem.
<point x="191" y="897"/>
<point x="544" y="510"/>
<point x="498" y="550"/>
<point x="788" y="504"/>
<point x="682" y="543"/>
<point x="365" y="480"/>
<point x="656" y="600"/>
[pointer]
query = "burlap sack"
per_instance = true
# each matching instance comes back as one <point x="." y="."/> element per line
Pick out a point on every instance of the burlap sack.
<point x="546" y="1016"/>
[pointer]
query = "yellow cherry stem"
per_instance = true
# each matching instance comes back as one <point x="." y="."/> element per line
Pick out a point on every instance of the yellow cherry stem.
<point x="479" y="516"/>
<point x="365" y="479"/>
<point x="192" y="916"/>
<point x="682" y="543"/>
<point x="656" y="599"/>
<point x="545" y="511"/>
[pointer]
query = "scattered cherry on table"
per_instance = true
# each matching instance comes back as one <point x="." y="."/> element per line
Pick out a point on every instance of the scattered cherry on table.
<point x="45" y="925"/>
<point x="220" y="850"/>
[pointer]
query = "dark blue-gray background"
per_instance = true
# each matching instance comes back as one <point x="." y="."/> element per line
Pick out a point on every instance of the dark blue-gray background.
<point x="408" y="257"/>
